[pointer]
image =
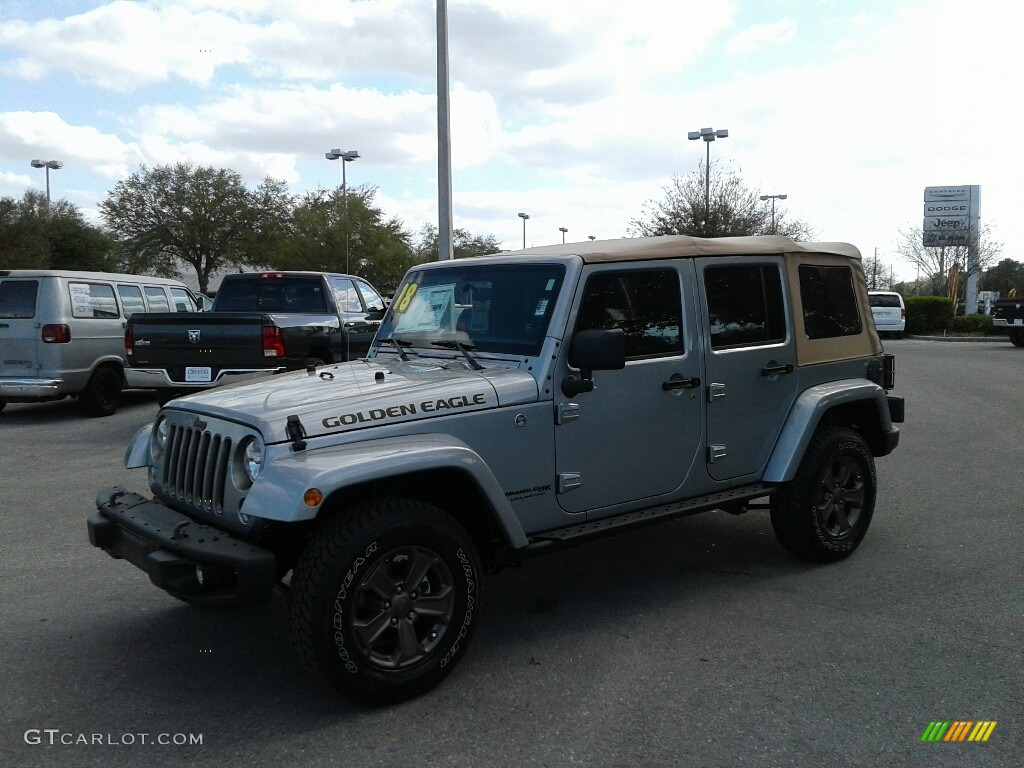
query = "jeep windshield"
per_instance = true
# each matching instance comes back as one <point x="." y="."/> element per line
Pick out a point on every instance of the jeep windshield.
<point x="496" y="308"/>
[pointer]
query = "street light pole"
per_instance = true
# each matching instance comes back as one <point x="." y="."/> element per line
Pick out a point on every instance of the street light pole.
<point x="524" y="217"/>
<point x="48" y="164"/>
<point x="563" y="230"/>
<point x="773" y="198"/>
<point x="345" y="157"/>
<point x="709" y="135"/>
<point x="445" y="219"/>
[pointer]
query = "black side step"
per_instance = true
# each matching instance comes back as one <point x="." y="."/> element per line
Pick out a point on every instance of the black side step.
<point x="576" y="533"/>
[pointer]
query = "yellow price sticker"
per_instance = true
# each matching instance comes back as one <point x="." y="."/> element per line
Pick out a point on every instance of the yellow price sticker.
<point x="402" y="302"/>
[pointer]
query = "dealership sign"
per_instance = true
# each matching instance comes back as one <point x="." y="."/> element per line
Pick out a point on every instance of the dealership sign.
<point x="950" y="215"/>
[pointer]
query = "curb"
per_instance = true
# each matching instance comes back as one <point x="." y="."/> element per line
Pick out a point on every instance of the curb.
<point x="982" y="339"/>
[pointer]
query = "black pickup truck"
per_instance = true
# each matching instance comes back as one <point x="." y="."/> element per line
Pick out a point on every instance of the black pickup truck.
<point x="260" y="323"/>
<point x="1009" y="314"/>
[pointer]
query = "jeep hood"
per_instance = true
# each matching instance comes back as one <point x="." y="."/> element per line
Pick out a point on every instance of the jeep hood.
<point x="361" y="394"/>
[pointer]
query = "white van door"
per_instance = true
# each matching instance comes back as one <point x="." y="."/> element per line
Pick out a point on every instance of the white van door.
<point x="19" y="336"/>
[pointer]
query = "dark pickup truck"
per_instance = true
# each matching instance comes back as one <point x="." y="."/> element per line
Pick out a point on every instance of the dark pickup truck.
<point x="260" y="323"/>
<point x="1009" y="314"/>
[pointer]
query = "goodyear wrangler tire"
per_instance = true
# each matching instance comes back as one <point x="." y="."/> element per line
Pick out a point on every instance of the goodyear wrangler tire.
<point x="823" y="514"/>
<point x="385" y="598"/>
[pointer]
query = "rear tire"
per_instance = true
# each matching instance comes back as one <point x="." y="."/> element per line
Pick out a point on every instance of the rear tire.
<point x="3" y="404"/>
<point x="823" y="514"/>
<point x="384" y="599"/>
<point x="102" y="395"/>
<point x="1017" y="338"/>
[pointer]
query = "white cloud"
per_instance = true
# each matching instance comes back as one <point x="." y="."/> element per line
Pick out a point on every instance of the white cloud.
<point x="759" y="36"/>
<point x="46" y="134"/>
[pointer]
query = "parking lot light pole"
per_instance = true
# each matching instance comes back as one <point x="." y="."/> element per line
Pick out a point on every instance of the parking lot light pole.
<point x="563" y="230"/>
<point x="773" y="198"/>
<point x="709" y="135"/>
<point x="48" y="164"/>
<point x="345" y="157"/>
<point x="524" y="217"/>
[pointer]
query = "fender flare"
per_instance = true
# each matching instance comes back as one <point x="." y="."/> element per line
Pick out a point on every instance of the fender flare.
<point x="278" y="492"/>
<point x="806" y="414"/>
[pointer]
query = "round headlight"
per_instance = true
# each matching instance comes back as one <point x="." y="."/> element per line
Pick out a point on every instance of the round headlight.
<point x="253" y="458"/>
<point x="160" y="436"/>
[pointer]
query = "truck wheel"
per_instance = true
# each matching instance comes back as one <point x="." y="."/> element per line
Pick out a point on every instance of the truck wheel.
<point x="824" y="512"/>
<point x="384" y="600"/>
<point x="102" y="394"/>
<point x="3" y="404"/>
<point x="1017" y="338"/>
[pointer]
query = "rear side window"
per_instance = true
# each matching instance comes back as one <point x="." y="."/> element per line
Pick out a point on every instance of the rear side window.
<point x="645" y="304"/>
<point x="18" y="298"/>
<point x="156" y="299"/>
<point x="131" y="299"/>
<point x="345" y="295"/>
<point x="95" y="300"/>
<point x="745" y="305"/>
<point x="830" y="304"/>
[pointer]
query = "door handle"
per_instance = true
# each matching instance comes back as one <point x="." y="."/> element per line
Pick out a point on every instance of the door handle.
<point x="680" y="384"/>
<point x="772" y="369"/>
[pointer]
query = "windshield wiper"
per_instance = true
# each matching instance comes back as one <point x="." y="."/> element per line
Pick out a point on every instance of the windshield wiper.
<point x="398" y="344"/>
<point x="464" y="349"/>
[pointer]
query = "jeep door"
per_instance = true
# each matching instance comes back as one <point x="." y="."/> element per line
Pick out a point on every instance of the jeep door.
<point x="637" y="434"/>
<point x="751" y="358"/>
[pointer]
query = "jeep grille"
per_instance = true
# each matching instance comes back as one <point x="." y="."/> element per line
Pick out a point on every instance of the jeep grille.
<point x="196" y="468"/>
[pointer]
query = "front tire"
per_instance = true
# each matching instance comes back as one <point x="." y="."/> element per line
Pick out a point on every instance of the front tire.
<point x="823" y="514"/>
<point x="384" y="599"/>
<point x="102" y="395"/>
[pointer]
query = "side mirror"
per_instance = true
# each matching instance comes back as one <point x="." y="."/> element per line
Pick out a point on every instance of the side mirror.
<point x="594" y="351"/>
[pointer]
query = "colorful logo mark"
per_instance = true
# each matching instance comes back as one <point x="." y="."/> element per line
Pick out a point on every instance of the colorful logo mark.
<point x="958" y="730"/>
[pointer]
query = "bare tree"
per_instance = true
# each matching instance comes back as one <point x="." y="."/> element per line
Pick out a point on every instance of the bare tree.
<point x="945" y="268"/>
<point x="879" y="273"/>
<point x="733" y="210"/>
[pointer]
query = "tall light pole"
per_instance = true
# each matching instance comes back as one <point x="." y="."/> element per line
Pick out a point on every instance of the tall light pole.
<point x="346" y="157"/>
<point x="709" y="135"/>
<point x="773" y="198"/>
<point x="563" y="230"/>
<point x="445" y="225"/>
<point x="524" y="217"/>
<point x="48" y="164"/>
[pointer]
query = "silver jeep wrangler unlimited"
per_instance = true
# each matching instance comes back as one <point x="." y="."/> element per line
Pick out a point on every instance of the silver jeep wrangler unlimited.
<point x="510" y="405"/>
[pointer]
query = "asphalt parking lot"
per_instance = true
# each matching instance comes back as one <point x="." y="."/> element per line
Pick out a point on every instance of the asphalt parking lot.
<point x="698" y="642"/>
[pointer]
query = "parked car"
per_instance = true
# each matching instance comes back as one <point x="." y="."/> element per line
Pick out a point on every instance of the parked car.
<point x="260" y="323"/>
<point x="1009" y="314"/>
<point x="62" y="332"/>
<point x="889" y="312"/>
<point x="511" y="405"/>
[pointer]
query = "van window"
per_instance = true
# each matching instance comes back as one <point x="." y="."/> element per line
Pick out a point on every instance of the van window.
<point x="157" y="299"/>
<point x="95" y="300"/>
<point x="182" y="301"/>
<point x="18" y="298"/>
<point x="884" y="300"/>
<point x="131" y="299"/>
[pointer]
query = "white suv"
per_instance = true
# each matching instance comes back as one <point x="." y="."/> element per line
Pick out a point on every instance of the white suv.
<point x="889" y="312"/>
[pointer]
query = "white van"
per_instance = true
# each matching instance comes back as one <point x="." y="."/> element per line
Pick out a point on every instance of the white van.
<point x="62" y="332"/>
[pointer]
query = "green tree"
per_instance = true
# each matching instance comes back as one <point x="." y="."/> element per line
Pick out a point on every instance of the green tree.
<point x="1004" y="277"/>
<point x="202" y="216"/>
<point x="35" y="234"/>
<point x="330" y="231"/>
<point x="734" y="209"/>
<point x="464" y="244"/>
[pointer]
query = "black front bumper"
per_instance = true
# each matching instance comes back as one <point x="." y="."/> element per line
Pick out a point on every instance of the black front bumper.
<point x="186" y="558"/>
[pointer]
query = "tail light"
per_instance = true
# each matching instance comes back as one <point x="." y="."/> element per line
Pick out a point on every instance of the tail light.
<point x="56" y="334"/>
<point x="128" y="341"/>
<point x="273" y="342"/>
<point x="903" y="313"/>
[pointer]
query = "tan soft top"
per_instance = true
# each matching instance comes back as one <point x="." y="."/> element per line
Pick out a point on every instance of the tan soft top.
<point x="683" y="246"/>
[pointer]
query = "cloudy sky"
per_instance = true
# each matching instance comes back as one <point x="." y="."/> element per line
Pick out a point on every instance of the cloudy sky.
<point x="574" y="111"/>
